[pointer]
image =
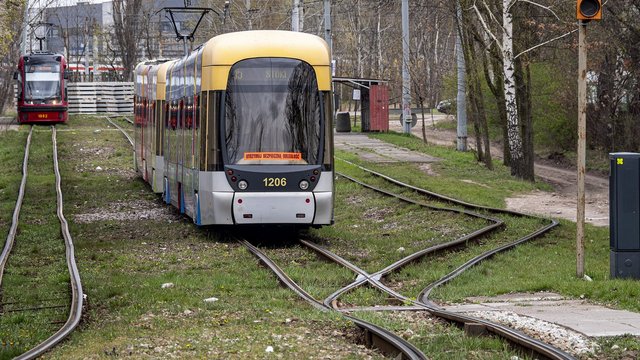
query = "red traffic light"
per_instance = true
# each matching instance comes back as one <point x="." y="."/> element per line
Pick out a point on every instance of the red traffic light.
<point x="589" y="9"/>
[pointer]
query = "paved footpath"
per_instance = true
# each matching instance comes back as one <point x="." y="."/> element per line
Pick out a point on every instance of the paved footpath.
<point x="579" y="315"/>
<point x="375" y="150"/>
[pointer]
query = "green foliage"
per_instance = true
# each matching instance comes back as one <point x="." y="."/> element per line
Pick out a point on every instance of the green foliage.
<point x="554" y="123"/>
<point x="11" y="12"/>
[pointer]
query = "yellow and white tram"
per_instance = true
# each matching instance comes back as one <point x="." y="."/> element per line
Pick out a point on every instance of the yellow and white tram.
<point x="246" y="133"/>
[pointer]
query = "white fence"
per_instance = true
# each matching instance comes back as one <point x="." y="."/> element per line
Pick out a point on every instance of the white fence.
<point x="100" y="97"/>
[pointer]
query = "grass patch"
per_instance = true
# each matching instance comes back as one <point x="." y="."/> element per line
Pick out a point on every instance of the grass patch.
<point x="34" y="287"/>
<point x="460" y="175"/>
<point x="124" y="263"/>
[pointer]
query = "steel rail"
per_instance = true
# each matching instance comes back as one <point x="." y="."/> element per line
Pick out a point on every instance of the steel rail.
<point x="126" y="118"/>
<point x="121" y="130"/>
<point x="8" y="245"/>
<point x="375" y="280"/>
<point x="408" y="350"/>
<point x="282" y="276"/>
<point x="506" y="332"/>
<point x="377" y="336"/>
<point x="77" y="296"/>
<point x="539" y="232"/>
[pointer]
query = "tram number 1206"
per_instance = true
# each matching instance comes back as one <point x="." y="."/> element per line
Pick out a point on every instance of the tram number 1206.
<point x="274" y="182"/>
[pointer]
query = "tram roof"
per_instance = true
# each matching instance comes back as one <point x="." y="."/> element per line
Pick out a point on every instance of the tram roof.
<point x="227" y="49"/>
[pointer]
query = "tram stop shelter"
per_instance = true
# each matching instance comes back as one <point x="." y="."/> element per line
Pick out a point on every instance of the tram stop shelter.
<point x="374" y="101"/>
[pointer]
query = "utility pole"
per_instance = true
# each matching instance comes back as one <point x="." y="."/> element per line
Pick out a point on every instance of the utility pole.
<point x="301" y="16"/>
<point x="295" y="16"/>
<point x="327" y="33"/>
<point x="582" y="140"/>
<point x="248" y="5"/>
<point x="327" y="24"/>
<point x="461" y="98"/>
<point x="25" y="23"/>
<point x="406" y="77"/>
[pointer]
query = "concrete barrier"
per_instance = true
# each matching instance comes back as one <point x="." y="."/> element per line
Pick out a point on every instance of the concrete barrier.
<point x="100" y="97"/>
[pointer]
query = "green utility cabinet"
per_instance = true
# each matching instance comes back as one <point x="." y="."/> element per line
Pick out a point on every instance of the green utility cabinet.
<point x="624" y="215"/>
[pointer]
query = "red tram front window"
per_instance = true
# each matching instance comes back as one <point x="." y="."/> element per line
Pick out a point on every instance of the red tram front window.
<point x="42" y="83"/>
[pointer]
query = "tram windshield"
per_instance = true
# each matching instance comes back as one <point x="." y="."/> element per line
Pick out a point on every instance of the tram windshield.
<point x="42" y="83"/>
<point x="272" y="113"/>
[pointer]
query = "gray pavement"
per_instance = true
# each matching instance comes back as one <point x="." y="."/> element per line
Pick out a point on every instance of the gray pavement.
<point x="579" y="315"/>
<point x="376" y="150"/>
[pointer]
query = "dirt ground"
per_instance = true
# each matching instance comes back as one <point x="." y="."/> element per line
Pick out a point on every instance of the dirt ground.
<point x="560" y="203"/>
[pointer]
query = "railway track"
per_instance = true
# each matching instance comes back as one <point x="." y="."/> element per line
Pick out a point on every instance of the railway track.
<point x="75" y="285"/>
<point x="386" y="341"/>
<point x="393" y="345"/>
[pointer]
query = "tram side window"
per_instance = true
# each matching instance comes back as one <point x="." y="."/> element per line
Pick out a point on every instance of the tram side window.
<point x="174" y="114"/>
<point x="197" y="111"/>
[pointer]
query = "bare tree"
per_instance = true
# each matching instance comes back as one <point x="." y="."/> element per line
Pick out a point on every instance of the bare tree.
<point x="127" y="26"/>
<point x="10" y="32"/>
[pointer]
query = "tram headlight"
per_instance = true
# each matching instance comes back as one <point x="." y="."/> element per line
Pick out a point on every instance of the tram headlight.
<point x="243" y="185"/>
<point x="304" y="185"/>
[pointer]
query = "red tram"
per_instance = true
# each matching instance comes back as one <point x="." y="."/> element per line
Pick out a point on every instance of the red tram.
<point x="42" y="96"/>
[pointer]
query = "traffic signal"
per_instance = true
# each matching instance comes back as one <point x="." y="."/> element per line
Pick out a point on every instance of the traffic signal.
<point x="589" y="9"/>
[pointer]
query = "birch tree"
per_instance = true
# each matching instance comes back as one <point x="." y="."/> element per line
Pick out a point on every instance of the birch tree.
<point x="521" y="163"/>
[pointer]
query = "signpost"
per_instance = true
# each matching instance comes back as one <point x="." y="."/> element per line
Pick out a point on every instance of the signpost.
<point x="586" y="10"/>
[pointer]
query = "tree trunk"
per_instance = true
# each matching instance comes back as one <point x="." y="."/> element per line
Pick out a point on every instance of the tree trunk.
<point x="523" y="77"/>
<point x="477" y="102"/>
<point x="481" y="117"/>
<point x="518" y="168"/>
<point x="424" y="130"/>
<point x="491" y="65"/>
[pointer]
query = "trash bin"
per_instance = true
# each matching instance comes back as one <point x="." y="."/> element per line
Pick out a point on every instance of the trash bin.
<point x="624" y="215"/>
<point x="343" y="122"/>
